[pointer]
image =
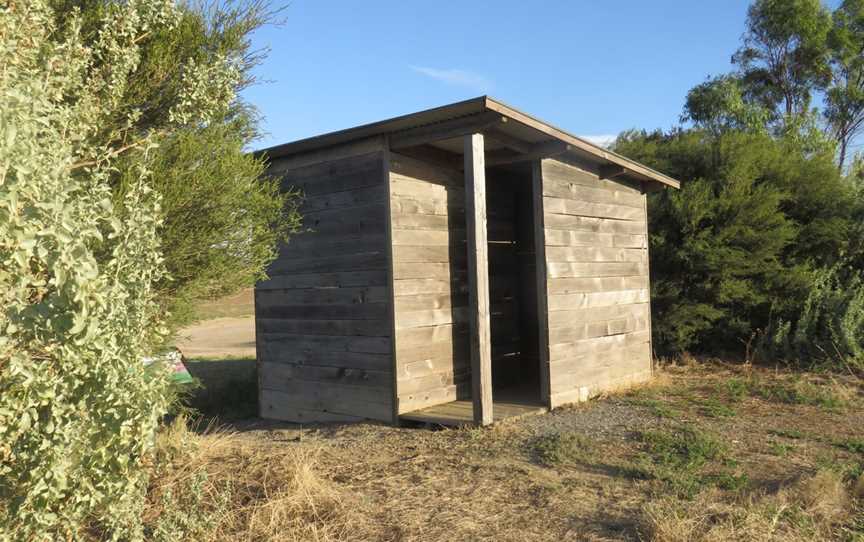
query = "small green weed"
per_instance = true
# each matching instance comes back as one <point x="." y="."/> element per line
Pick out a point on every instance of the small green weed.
<point x="735" y="389"/>
<point x="679" y="457"/>
<point x="800" y="392"/>
<point x="659" y="408"/>
<point x="780" y="449"/>
<point x="854" y="445"/>
<point x="561" y="448"/>
<point x="716" y="409"/>
<point x="787" y="433"/>
<point x="685" y="448"/>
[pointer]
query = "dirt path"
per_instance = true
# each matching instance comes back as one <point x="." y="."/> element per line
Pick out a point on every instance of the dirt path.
<point x="219" y="338"/>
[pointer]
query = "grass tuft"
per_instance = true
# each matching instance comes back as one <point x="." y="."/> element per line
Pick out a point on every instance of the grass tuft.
<point x="216" y="487"/>
<point x="562" y="448"/>
<point x="811" y="509"/>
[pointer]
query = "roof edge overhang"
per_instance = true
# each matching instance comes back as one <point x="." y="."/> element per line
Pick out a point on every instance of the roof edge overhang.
<point x="474" y="106"/>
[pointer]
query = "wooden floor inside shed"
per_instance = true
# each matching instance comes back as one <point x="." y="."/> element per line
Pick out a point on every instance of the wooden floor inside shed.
<point x="506" y="404"/>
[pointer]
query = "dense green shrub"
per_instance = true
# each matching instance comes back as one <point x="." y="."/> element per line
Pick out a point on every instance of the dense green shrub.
<point x="222" y="221"/>
<point x="78" y="410"/>
<point x="829" y="325"/>
<point x="740" y="246"/>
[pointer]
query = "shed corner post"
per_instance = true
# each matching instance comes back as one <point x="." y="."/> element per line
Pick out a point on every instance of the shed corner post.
<point x="542" y="290"/>
<point x="478" y="278"/>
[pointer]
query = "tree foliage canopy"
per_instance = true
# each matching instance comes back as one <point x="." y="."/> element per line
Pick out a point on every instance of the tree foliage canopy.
<point x="764" y="240"/>
<point x="222" y="219"/>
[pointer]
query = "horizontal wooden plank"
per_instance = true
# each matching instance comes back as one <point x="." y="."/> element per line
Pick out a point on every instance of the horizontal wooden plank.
<point x="305" y="326"/>
<point x="376" y="277"/>
<point x="321" y="245"/>
<point x="422" y="302"/>
<point x="595" y="254"/>
<point x="414" y="221"/>
<point x="583" y="370"/>
<point x="276" y="405"/>
<point x="358" y="401"/>
<point x="556" y="221"/>
<point x="596" y="269"/>
<point x="598" y="344"/>
<point x="430" y="254"/>
<point x="595" y="284"/>
<point x="278" y="374"/>
<point x="598" y="386"/>
<point x="567" y="238"/>
<point x="579" y="331"/>
<point x="366" y="261"/>
<point x="433" y="238"/>
<point x="276" y="343"/>
<point x="410" y="206"/>
<point x="440" y="271"/>
<point x="555" y="171"/>
<point x="348" y="155"/>
<point x="364" y="311"/>
<point x="334" y="179"/>
<point x="419" y="336"/>
<point x="406" y="287"/>
<point x="407" y="402"/>
<point x="592" y="192"/>
<point x="599" y="210"/>
<point x="344" y="360"/>
<point x="598" y="314"/>
<point x="325" y="296"/>
<point x="596" y="299"/>
<point x="449" y="348"/>
<point x="432" y="365"/>
<point x="346" y="199"/>
<point x="423" y="189"/>
<point x="433" y="381"/>
<point x="409" y="167"/>
<point x="431" y="317"/>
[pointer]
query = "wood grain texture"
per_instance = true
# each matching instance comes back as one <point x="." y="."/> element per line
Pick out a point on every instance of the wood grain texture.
<point x="478" y="279"/>
<point x="430" y="281"/>
<point x="596" y="261"/>
<point x="324" y="335"/>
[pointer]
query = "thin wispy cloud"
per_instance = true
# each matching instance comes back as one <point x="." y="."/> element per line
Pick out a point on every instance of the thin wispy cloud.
<point x="602" y="140"/>
<point x="461" y="78"/>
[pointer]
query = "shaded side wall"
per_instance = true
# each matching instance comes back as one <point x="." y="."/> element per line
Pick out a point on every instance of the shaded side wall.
<point x="323" y="318"/>
<point x="597" y="282"/>
<point x="427" y="211"/>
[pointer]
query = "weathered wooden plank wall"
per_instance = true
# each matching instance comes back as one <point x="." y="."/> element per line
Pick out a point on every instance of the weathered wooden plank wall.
<point x="427" y="206"/>
<point x="596" y="247"/>
<point x="323" y="317"/>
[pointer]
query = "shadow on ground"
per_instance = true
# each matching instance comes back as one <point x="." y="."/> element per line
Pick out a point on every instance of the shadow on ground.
<point x="227" y="389"/>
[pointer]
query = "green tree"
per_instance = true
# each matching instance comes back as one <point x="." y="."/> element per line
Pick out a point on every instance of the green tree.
<point x="736" y="248"/>
<point x="844" y="98"/>
<point x="784" y="57"/>
<point x="222" y="218"/>
<point x="719" y="105"/>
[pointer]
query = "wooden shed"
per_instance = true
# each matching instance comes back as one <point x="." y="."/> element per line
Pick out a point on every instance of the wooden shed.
<point x="458" y="265"/>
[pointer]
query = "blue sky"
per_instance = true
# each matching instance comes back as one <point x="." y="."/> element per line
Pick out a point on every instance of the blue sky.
<point x="593" y="68"/>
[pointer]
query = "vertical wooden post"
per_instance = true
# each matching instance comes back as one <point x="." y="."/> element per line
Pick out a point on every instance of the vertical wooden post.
<point x="540" y="271"/>
<point x="478" y="278"/>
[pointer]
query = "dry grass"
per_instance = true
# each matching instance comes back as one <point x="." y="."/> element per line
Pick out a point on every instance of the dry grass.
<point x="216" y="487"/>
<point x="619" y="468"/>
<point x="813" y="509"/>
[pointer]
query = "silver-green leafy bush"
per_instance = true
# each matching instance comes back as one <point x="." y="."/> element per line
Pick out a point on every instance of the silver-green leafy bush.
<point x="78" y="409"/>
<point x="830" y="323"/>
